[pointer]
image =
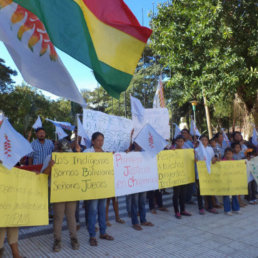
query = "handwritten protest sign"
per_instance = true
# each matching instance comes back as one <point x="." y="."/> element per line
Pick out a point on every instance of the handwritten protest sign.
<point x="134" y="172"/>
<point x="158" y="118"/>
<point x="252" y="167"/>
<point x="226" y="178"/>
<point x="116" y="129"/>
<point x="175" y="167"/>
<point x="82" y="176"/>
<point x="23" y="198"/>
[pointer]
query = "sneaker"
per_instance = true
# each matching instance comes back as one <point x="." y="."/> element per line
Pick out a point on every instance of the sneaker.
<point x="237" y="212"/>
<point x="178" y="215"/>
<point x="252" y="202"/>
<point x="75" y="244"/>
<point x="201" y="212"/>
<point x="213" y="210"/>
<point x="57" y="246"/>
<point x="186" y="213"/>
<point x="229" y="213"/>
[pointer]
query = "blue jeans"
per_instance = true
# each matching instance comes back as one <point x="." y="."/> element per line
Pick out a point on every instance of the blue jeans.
<point x="227" y="204"/>
<point x="138" y="203"/>
<point x="94" y="207"/>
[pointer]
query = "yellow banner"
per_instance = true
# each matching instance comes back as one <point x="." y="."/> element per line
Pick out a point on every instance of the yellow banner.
<point x="175" y="167"/>
<point x="23" y="198"/>
<point x="82" y="176"/>
<point x="226" y="178"/>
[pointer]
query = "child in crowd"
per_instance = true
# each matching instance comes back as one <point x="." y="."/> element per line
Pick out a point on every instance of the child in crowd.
<point x="179" y="192"/>
<point x="252" y="186"/>
<point x="199" y="156"/>
<point x="228" y="155"/>
<point x="238" y="155"/>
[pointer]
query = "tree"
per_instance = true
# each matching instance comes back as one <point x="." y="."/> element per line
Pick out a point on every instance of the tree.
<point x="5" y="77"/>
<point x="210" y="47"/>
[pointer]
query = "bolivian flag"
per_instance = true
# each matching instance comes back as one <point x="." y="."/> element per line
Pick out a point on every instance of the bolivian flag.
<point x="102" y="34"/>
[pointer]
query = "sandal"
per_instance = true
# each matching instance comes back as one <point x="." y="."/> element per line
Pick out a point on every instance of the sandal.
<point x="93" y="241"/>
<point x="108" y="224"/>
<point x="153" y="211"/>
<point x="106" y="237"/>
<point x="147" y="223"/>
<point x="163" y="209"/>
<point x="137" y="227"/>
<point x="121" y="221"/>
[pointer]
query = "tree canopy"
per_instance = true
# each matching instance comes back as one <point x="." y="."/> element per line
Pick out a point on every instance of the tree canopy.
<point x="210" y="46"/>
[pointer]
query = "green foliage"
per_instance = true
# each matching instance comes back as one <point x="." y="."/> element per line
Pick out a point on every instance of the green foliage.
<point x="23" y="104"/>
<point x="209" y="45"/>
<point x="5" y="77"/>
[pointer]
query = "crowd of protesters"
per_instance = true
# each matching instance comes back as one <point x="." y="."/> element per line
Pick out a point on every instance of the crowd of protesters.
<point x="219" y="149"/>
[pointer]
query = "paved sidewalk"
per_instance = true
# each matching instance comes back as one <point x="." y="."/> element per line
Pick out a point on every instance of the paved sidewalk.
<point x="197" y="236"/>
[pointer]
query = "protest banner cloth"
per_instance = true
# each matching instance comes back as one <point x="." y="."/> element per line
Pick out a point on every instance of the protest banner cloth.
<point x="116" y="130"/>
<point x="252" y="167"/>
<point x="85" y="176"/>
<point x="134" y="172"/>
<point x="175" y="167"/>
<point x="82" y="176"/>
<point x="158" y="118"/>
<point x="226" y="178"/>
<point x="23" y="198"/>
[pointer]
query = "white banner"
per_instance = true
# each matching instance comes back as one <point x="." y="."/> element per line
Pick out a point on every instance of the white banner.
<point x="33" y="53"/>
<point x="158" y="118"/>
<point x="116" y="129"/>
<point x="135" y="172"/>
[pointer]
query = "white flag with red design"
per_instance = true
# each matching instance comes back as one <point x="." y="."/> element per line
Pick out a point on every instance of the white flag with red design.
<point x="159" y="100"/>
<point x="150" y="141"/>
<point x="13" y="146"/>
<point x="31" y="49"/>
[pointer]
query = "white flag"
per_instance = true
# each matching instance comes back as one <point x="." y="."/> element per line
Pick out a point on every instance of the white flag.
<point x="254" y="137"/>
<point x="150" y="141"/>
<point x="37" y="124"/>
<point x="226" y="141"/>
<point x="85" y="140"/>
<point x="60" y="133"/>
<point x="193" y="129"/>
<point x="28" y="43"/>
<point x="137" y="109"/>
<point x="205" y="156"/>
<point x="159" y="100"/>
<point x="177" y="130"/>
<point x="64" y="125"/>
<point x="13" y="146"/>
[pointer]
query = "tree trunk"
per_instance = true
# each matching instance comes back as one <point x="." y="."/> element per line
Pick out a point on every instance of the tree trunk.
<point x="207" y="112"/>
<point x="248" y="117"/>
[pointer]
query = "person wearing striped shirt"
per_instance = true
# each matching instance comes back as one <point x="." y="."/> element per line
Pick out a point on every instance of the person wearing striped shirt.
<point x="42" y="147"/>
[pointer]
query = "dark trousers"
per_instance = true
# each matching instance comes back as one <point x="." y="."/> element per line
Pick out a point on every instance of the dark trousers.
<point x="152" y="195"/>
<point x="251" y="191"/>
<point x="179" y="193"/>
<point x="200" y="199"/>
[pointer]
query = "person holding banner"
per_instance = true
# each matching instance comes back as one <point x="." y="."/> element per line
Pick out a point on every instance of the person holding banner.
<point x="199" y="155"/>
<point x="179" y="192"/>
<point x="12" y="238"/>
<point x="228" y="155"/>
<point x="138" y="201"/>
<point x="94" y="207"/>
<point x="42" y="147"/>
<point x="62" y="208"/>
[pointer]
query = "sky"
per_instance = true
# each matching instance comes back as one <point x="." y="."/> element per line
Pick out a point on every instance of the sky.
<point x="81" y="74"/>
